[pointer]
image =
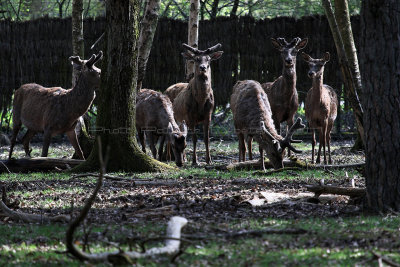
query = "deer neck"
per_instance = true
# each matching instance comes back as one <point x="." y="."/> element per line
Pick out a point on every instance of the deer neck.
<point x="81" y="96"/>
<point x="289" y="80"/>
<point x="201" y="87"/>
<point x="317" y="86"/>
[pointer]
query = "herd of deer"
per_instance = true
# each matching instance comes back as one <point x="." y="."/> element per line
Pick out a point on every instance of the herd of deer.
<point x="258" y="109"/>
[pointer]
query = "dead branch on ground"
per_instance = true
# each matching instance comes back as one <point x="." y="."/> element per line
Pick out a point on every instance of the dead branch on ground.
<point x="37" y="164"/>
<point x="336" y="190"/>
<point x="172" y="242"/>
<point x="133" y="181"/>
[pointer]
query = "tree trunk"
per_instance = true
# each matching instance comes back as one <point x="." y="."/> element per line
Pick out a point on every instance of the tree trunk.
<point x="214" y="9"/>
<point x="345" y="60"/>
<point x="234" y="8"/>
<point x="342" y="15"/>
<point x="85" y="141"/>
<point x="148" y="29"/>
<point x="116" y="108"/>
<point x="193" y="34"/>
<point x="380" y="61"/>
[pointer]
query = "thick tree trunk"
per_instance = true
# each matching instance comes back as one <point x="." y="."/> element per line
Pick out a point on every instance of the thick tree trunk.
<point x="148" y="29"/>
<point x="347" y="57"/>
<point x="116" y="109"/>
<point x="380" y="62"/>
<point x="193" y="34"/>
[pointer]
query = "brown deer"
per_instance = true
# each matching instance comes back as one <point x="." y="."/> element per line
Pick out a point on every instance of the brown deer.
<point x="55" y="110"/>
<point x="195" y="101"/>
<point x="321" y="105"/>
<point x="253" y="118"/>
<point x="155" y="118"/>
<point x="282" y="93"/>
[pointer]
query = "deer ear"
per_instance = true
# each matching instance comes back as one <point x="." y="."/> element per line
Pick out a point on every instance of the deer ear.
<point x="187" y="55"/>
<point x="183" y="128"/>
<point x="326" y="57"/>
<point x="216" y="55"/>
<point x="276" y="44"/>
<point x="305" y="57"/>
<point x="302" y="44"/>
<point x="76" y="62"/>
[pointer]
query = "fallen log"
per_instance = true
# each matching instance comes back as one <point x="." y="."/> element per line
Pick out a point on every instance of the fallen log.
<point x="291" y="163"/>
<point x="39" y="164"/>
<point x="336" y="190"/>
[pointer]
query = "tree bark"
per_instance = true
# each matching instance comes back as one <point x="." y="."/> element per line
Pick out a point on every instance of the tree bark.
<point x="380" y="62"/>
<point x="148" y="29"/>
<point x="234" y="8"/>
<point x="193" y="34"/>
<point x="347" y="58"/>
<point x="116" y="108"/>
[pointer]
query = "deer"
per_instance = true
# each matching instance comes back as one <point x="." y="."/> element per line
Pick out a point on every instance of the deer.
<point x="55" y="110"/>
<point x="321" y="105"/>
<point x="282" y="93"/>
<point x="154" y="119"/>
<point x="193" y="102"/>
<point x="252" y="117"/>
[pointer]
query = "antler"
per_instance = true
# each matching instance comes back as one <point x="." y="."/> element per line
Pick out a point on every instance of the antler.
<point x="282" y="41"/>
<point x="286" y="142"/>
<point x="94" y="58"/>
<point x="295" y="41"/>
<point x="198" y="52"/>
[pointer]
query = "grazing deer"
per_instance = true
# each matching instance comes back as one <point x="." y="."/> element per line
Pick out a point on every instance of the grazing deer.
<point x="194" y="102"/>
<point x="55" y="110"/>
<point x="321" y="105"/>
<point x="253" y="118"/>
<point x="155" y="118"/>
<point x="282" y="93"/>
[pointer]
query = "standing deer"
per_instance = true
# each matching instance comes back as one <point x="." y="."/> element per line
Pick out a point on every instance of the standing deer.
<point x="282" y="93"/>
<point x="194" y="102"/>
<point x="155" y="118"/>
<point x="253" y="118"/>
<point x="321" y="105"/>
<point x="55" y="110"/>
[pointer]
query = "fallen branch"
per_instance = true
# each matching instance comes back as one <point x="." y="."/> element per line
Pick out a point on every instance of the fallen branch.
<point x="336" y="190"/>
<point x="385" y="259"/>
<point x="37" y="164"/>
<point x="133" y="181"/>
<point x="261" y="232"/>
<point x="292" y="163"/>
<point x="172" y="242"/>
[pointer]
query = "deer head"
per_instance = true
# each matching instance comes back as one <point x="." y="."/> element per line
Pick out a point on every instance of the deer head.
<point x="289" y="50"/>
<point x="316" y="65"/>
<point x="87" y="67"/>
<point x="178" y="142"/>
<point x="202" y="58"/>
<point x="275" y="148"/>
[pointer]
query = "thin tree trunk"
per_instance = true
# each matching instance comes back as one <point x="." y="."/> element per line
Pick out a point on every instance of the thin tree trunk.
<point x="116" y="106"/>
<point x="77" y="34"/>
<point x="348" y="77"/>
<point x="380" y="62"/>
<point x="234" y="8"/>
<point x="193" y="34"/>
<point x="148" y="29"/>
<point x="214" y="9"/>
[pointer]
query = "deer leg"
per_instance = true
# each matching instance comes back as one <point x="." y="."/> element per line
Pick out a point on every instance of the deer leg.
<point x="16" y="128"/>
<point x="313" y="142"/>
<point x="321" y="137"/>
<point x="242" y="153"/>
<point x="206" y="129"/>
<point x="194" y="137"/>
<point x="249" y="141"/>
<point x="73" y="139"/>
<point x="142" y="140"/>
<point x="152" y="145"/>
<point x="161" y="147"/>
<point x="46" y="143"/>
<point x="328" y="140"/>
<point x="25" y="141"/>
<point x="324" y="131"/>
<point x="289" y="124"/>
<point x="262" y="158"/>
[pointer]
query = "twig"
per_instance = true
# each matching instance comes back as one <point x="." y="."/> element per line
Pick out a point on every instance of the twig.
<point x="98" y="40"/>
<point x="385" y="259"/>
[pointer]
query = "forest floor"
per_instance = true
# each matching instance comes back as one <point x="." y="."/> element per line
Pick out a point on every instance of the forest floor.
<point x="219" y="205"/>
